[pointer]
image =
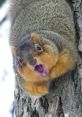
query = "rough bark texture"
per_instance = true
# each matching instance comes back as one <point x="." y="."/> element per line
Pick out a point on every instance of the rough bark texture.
<point x="65" y="94"/>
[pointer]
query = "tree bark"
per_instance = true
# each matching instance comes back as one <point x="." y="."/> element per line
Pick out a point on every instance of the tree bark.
<point x="65" y="94"/>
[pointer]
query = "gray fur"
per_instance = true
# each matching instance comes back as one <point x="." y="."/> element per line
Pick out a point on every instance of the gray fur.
<point x="40" y="16"/>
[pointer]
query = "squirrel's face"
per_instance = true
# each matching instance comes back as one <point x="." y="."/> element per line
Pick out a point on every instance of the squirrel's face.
<point x="36" y="59"/>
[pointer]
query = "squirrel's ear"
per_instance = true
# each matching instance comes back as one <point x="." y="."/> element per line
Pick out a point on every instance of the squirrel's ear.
<point x="13" y="50"/>
<point x="36" y="37"/>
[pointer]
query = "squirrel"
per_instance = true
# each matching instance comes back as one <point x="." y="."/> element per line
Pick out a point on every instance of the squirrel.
<point x="43" y="42"/>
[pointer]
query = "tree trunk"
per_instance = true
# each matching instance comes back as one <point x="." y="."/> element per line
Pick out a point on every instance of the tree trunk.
<point x="64" y="98"/>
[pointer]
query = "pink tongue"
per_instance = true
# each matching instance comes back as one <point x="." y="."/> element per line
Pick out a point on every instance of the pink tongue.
<point x="40" y="69"/>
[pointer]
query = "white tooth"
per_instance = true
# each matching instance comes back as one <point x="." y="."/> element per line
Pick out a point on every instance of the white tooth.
<point x="29" y="66"/>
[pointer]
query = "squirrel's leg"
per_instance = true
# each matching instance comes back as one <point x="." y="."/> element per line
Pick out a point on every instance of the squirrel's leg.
<point x="65" y="63"/>
<point x="35" y="89"/>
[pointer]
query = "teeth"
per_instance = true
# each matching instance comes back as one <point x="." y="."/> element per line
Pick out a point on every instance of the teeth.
<point x="39" y="68"/>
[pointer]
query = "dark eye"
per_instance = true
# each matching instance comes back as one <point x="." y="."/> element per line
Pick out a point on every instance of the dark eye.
<point x="38" y="48"/>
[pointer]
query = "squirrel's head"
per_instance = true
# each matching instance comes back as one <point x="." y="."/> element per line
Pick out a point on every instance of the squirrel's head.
<point x="35" y="58"/>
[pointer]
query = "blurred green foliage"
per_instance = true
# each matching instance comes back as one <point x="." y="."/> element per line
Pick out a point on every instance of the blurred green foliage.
<point x="1" y="2"/>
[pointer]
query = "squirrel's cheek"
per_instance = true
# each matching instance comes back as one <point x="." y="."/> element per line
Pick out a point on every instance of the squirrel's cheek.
<point x="48" y="60"/>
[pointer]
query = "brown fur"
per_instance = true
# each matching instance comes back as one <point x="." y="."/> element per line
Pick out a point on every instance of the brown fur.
<point x="56" y="63"/>
<point x="50" y="24"/>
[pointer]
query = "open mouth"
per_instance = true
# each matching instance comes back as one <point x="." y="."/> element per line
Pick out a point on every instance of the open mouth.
<point x="41" y="70"/>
